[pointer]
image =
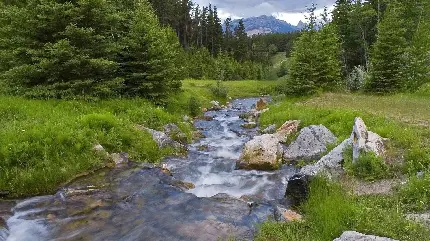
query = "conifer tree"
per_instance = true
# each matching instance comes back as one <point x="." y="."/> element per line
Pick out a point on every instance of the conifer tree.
<point x="314" y="63"/>
<point x="151" y="54"/>
<point x="241" y="42"/>
<point x="388" y="58"/>
<point x="418" y="57"/>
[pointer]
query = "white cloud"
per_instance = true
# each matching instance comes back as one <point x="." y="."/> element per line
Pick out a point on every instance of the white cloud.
<point x="295" y="18"/>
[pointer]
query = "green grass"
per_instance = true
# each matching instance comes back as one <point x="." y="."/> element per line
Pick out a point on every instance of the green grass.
<point x="406" y="108"/>
<point x="46" y="143"/>
<point x="368" y="166"/>
<point x="330" y="210"/>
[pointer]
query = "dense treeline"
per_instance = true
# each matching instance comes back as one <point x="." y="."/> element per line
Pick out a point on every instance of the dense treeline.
<point x="111" y="48"/>
<point x="87" y="49"/>
<point x="374" y="45"/>
<point x="216" y="54"/>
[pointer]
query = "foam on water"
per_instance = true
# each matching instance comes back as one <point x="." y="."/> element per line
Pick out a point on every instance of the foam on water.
<point x="213" y="171"/>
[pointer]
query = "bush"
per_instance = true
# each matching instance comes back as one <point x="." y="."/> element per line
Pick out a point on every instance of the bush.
<point x="356" y="79"/>
<point x="194" y="106"/>
<point x="368" y="166"/>
<point x="219" y="90"/>
<point x="283" y="69"/>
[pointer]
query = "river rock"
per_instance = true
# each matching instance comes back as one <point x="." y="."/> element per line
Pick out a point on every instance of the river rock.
<point x="329" y="163"/>
<point x="249" y="125"/>
<point x="286" y="129"/>
<point x="173" y="131"/>
<point x="269" y="130"/>
<point x="297" y="191"/>
<point x="119" y="158"/>
<point x="162" y="139"/>
<point x="356" y="236"/>
<point x="98" y="148"/>
<point x="287" y="215"/>
<point x="310" y="144"/>
<point x="261" y="153"/>
<point x="215" y="105"/>
<point x="261" y="104"/>
<point x="364" y="140"/>
<point x="423" y="218"/>
<point x="186" y="118"/>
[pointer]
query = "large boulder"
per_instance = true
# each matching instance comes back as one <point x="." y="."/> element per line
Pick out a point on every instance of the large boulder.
<point x="261" y="153"/>
<point x="332" y="162"/>
<point x="364" y="140"/>
<point x="310" y="144"/>
<point x="356" y="236"/>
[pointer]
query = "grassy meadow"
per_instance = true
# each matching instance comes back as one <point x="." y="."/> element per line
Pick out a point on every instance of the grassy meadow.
<point x="332" y="207"/>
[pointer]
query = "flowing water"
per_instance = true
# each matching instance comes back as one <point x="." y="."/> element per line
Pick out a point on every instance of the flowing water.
<point x="142" y="202"/>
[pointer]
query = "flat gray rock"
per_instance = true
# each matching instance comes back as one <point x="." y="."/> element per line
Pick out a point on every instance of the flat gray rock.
<point x="331" y="161"/>
<point x="310" y="144"/>
<point x="356" y="236"/>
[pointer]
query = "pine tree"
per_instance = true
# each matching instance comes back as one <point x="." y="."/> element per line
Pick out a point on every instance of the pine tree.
<point x="60" y="49"/>
<point x="388" y="57"/>
<point x="241" y="42"/>
<point x="150" y="69"/>
<point x="87" y="49"/>
<point x="418" y="58"/>
<point x="314" y="63"/>
<point x="302" y="64"/>
<point x="228" y="36"/>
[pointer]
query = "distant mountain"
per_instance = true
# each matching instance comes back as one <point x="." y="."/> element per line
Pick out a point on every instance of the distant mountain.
<point x="265" y="24"/>
<point x="301" y="25"/>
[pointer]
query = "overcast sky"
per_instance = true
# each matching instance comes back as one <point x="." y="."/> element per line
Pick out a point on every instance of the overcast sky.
<point x="291" y="11"/>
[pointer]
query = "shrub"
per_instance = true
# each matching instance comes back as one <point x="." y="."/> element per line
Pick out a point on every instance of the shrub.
<point x="194" y="106"/>
<point x="356" y="79"/>
<point x="219" y="90"/>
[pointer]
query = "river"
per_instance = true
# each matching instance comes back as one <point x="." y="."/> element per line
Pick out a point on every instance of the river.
<point x="142" y="202"/>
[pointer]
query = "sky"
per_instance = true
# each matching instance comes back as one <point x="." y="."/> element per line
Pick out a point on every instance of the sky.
<point x="291" y="11"/>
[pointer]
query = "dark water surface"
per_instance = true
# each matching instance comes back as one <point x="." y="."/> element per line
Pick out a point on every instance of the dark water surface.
<point x="141" y="202"/>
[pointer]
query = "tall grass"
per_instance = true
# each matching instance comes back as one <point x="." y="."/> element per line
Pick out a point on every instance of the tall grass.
<point x="45" y="143"/>
<point x="330" y="211"/>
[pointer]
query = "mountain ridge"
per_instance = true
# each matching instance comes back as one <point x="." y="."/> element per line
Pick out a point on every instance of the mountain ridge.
<point x="265" y="24"/>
